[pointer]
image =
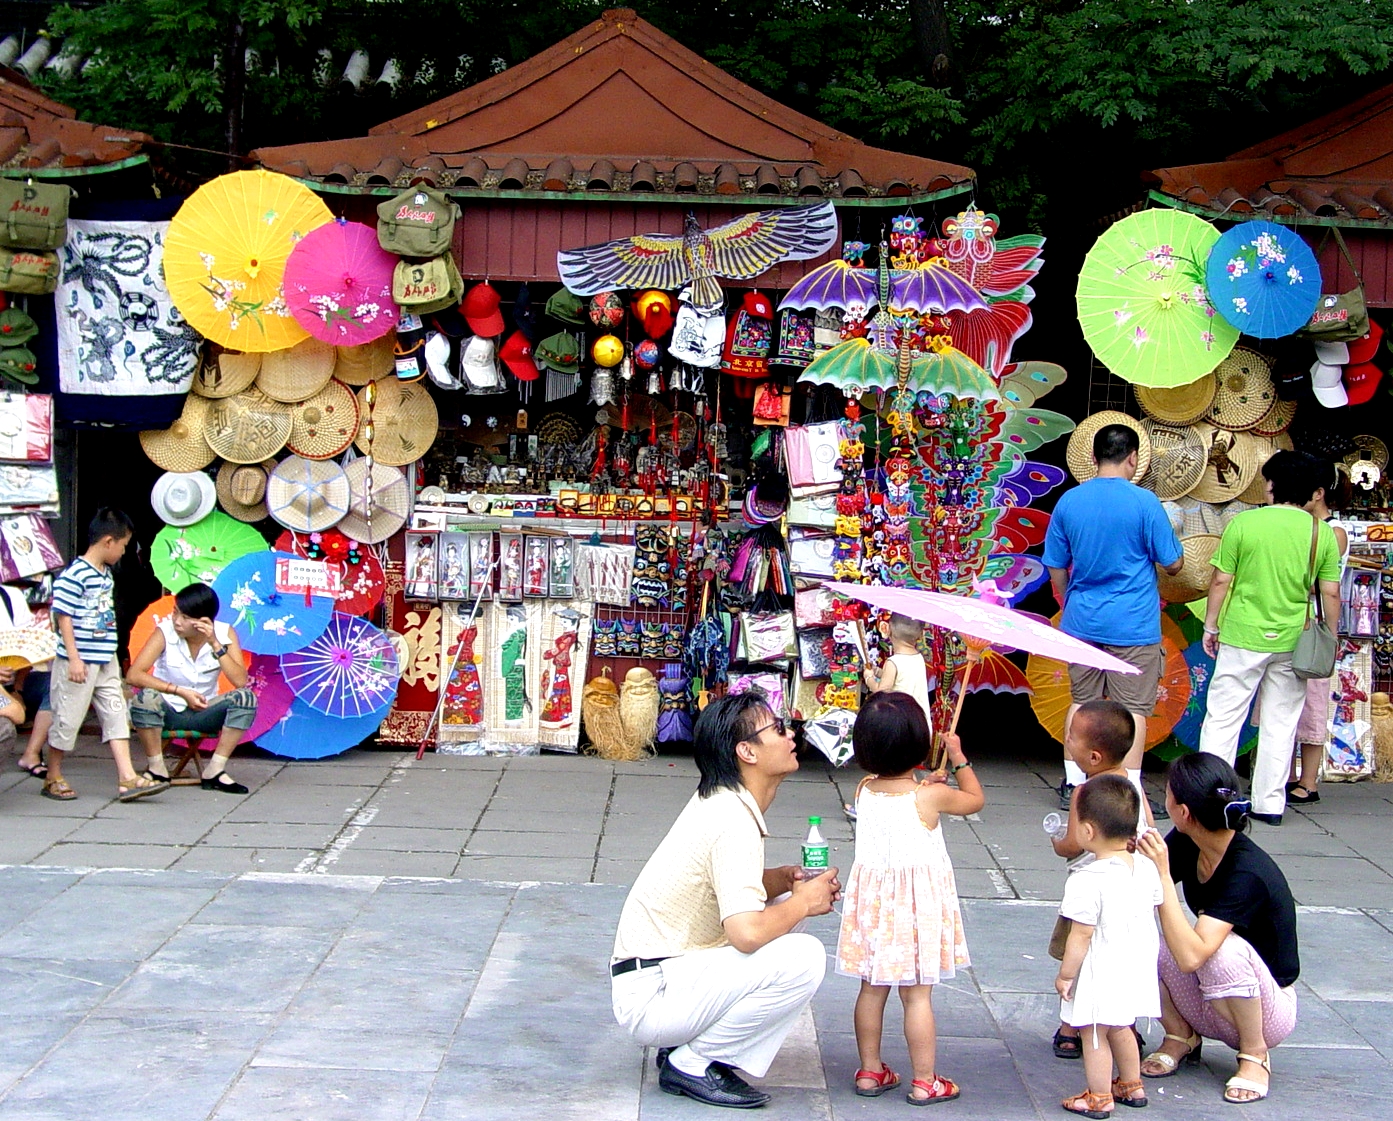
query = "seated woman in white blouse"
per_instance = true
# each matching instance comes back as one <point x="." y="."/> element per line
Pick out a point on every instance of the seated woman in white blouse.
<point x="176" y="675"/>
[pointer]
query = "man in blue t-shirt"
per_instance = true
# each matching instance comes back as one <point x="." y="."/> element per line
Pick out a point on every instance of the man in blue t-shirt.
<point x="1102" y="548"/>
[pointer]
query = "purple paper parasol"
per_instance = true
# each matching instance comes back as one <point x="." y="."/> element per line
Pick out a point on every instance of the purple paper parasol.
<point x="338" y="283"/>
<point x="273" y="695"/>
<point x="833" y="285"/>
<point x="933" y="288"/>
<point x="348" y="671"/>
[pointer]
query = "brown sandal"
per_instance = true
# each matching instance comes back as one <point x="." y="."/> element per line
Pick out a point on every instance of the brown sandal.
<point x="58" y="789"/>
<point x="1122" y="1093"/>
<point x="139" y="787"/>
<point x="1089" y="1104"/>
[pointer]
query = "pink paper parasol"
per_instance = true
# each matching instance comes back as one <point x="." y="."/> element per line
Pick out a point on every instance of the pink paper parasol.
<point x="987" y="622"/>
<point x="348" y="671"/>
<point x="273" y="695"/>
<point x="338" y="283"/>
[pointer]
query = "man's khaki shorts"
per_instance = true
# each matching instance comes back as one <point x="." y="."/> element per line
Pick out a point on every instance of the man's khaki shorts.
<point x="1136" y="692"/>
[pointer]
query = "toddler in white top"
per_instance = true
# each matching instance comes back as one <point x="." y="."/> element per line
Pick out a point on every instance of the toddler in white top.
<point x="1108" y="977"/>
<point x="905" y="671"/>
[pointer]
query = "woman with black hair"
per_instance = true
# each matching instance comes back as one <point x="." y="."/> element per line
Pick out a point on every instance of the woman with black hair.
<point x="1230" y="976"/>
<point x="176" y="676"/>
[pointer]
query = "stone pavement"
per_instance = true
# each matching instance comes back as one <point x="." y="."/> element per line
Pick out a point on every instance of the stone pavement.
<point x="372" y="937"/>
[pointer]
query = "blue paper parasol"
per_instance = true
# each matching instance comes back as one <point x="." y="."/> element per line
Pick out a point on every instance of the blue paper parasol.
<point x="350" y="670"/>
<point x="268" y="621"/>
<point x="1263" y="278"/>
<point x="303" y="733"/>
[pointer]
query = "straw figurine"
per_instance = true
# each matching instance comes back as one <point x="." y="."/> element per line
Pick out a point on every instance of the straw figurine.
<point x="599" y="707"/>
<point x="1381" y="716"/>
<point x="639" y="701"/>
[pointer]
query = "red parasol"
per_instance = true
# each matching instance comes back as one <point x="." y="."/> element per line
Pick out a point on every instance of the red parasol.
<point x="363" y="579"/>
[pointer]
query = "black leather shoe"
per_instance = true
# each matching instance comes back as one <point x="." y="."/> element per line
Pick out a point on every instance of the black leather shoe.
<point x="1267" y="819"/>
<point x="222" y="782"/>
<point x="663" y="1053"/>
<point x="719" y="1086"/>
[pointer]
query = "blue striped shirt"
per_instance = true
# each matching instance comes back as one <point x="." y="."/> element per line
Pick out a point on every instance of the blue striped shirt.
<point x="87" y="595"/>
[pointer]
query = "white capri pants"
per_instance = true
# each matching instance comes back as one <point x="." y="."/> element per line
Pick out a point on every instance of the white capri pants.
<point x="728" y="1007"/>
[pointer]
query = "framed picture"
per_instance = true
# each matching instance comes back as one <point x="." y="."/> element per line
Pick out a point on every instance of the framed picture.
<point x="536" y="567"/>
<point x="509" y="565"/>
<point x="453" y="562"/>
<point x="563" y="553"/>
<point x="422" y="565"/>
<point x="480" y="564"/>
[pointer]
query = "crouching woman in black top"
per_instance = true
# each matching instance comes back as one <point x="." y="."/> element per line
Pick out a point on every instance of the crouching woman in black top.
<point x="1230" y="976"/>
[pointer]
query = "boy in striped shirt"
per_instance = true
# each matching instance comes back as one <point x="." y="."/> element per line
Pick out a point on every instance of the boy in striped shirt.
<point x="86" y="672"/>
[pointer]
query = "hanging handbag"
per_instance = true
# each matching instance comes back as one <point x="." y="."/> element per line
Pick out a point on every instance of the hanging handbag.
<point x="1339" y="316"/>
<point x="36" y="214"/>
<point x="28" y="272"/>
<point x="1314" y="656"/>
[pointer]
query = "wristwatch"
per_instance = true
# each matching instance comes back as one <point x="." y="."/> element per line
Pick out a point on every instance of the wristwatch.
<point x="221" y="653"/>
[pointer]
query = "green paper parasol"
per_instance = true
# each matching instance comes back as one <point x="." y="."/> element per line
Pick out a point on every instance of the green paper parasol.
<point x="852" y="366"/>
<point x="195" y="554"/>
<point x="1142" y="302"/>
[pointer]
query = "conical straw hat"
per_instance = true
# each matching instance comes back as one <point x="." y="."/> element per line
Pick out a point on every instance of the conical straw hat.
<point x="1192" y="581"/>
<point x="1256" y="494"/>
<point x="183" y="445"/>
<point x="404" y="420"/>
<point x="1277" y="419"/>
<point x="358" y="365"/>
<point x="1243" y="391"/>
<point x="1184" y="404"/>
<point x="221" y="373"/>
<point x="1079" y="454"/>
<point x="1178" y="457"/>
<point x="248" y="428"/>
<point x="325" y="425"/>
<point x="307" y="495"/>
<point x="377" y="509"/>
<point x="1230" y="464"/>
<point x="296" y="374"/>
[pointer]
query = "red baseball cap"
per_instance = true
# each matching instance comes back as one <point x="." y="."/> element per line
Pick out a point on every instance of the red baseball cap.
<point x="1361" y="380"/>
<point x="1364" y="349"/>
<point x="516" y="353"/>
<point x="481" y="312"/>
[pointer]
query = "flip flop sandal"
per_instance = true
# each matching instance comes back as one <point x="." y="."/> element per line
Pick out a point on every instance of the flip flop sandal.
<point x="1238" y="1083"/>
<point x="1170" y="1062"/>
<point x="885" y="1081"/>
<point x="139" y="787"/>
<point x="1089" y="1104"/>
<point x="1122" y="1093"/>
<point x="939" y="1090"/>
<point x="38" y="770"/>
<point x="1061" y="1042"/>
<point x="59" y="790"/>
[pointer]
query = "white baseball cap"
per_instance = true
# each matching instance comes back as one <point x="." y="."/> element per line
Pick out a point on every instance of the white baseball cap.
<point x="479" y="365"/>
<point x="438" y="362"/>
<point x="1327" y="383"/>
<point x="1332" y="354"/>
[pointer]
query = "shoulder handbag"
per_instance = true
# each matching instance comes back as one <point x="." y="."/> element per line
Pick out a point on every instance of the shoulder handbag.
<point x="36" y="214"/>
<point x="1339" y="316"/>
<point x="28" y="272"/>
<point x="1314" y="656"/>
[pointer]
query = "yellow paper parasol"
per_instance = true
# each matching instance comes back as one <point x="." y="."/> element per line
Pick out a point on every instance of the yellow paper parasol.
<point x="225" y="254"/>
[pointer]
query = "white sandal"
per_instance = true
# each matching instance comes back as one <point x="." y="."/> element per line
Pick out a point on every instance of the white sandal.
<point x="1238" y="1083"/>
<point x="1169" y="1062"/>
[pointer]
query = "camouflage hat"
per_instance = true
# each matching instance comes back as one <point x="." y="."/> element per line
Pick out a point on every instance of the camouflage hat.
<point x="560" y="352"/>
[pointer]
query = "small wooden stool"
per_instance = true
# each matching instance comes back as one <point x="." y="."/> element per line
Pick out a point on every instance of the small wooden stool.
<point x="188" y="754"/>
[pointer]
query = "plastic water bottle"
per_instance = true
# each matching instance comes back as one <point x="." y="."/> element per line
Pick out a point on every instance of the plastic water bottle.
<point x="1055" y="826"/>
<point x="815" y="851"/>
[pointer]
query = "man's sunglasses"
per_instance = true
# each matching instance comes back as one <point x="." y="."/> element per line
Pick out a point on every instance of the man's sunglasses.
<point x="779" y="725"/>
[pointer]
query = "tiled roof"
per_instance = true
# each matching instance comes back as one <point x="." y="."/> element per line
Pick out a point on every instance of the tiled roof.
<point x="618" y="107"/>
<point x="1339" y="167"/>
<point x="42" y="135"/>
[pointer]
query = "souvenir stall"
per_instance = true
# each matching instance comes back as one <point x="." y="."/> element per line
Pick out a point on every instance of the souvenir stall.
<point x="1220" y="348"/>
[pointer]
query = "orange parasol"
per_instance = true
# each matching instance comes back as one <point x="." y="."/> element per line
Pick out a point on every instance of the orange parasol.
<point x="150" y="618"/>
<point x="225" y="254"/>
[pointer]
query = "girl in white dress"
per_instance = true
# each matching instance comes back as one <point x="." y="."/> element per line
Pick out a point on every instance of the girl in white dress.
<point x="1108" y="977"/>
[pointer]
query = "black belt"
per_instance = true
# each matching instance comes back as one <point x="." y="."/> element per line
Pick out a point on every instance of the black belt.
<point x="628" y="965"/>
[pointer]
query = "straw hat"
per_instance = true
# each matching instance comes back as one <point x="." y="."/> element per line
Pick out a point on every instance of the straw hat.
<point x="1277" y="419"/>
<point x="405" y="422"/>
<point x="183" y="497"/>
<point x="182" y="446"/>
<point x="248" y="428"/>
<point x="221" y="373"/>
<point x="1192" y="581"/>
<point x="1231" y="463"/>
<point x="376" y="510"/>
<point x="296" y="374"/>
<point x="1079" y="455"/>
<point x="325" y="425"/>
<point x="241" y="489"/>
<point x="1184" y="404"/>
<point x="358" y="365"/>
<point x="1243" y="391"/>
<point x="1256" y="494"/>
<point x="1177" y="459"/>
<point x="307" y="495"/>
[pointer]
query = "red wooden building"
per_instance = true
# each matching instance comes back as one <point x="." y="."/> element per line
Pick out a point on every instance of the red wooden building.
<point x="614" y="131"/>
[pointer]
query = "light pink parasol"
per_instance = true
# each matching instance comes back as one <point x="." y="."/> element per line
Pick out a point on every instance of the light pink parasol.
<point x="273" y="695"/>
<point x="338" y="284"/>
